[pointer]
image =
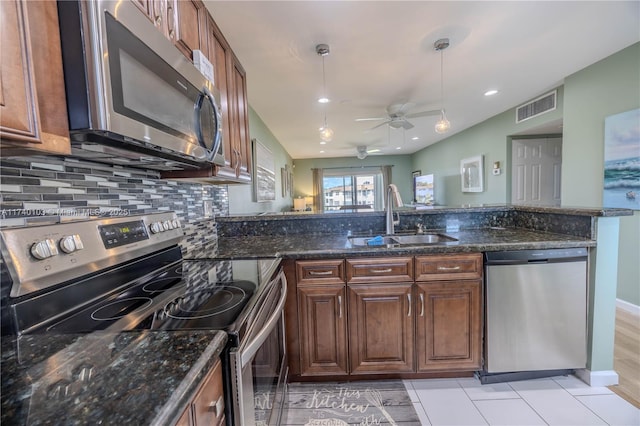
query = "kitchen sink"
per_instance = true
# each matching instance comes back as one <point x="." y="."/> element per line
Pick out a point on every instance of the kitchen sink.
<point x="400" y="240"/>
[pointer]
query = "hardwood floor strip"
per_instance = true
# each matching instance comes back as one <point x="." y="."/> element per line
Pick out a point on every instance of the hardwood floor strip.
<point x="626" y="356"/>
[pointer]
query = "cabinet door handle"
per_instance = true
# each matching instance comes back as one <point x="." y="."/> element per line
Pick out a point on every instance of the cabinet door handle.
<point x="171" y="22"/>
<point x="422" y="304"/>
<point x="381" y="271"/>
<point x="216" y="407"/>
<point x="320" y="272"/>
<point x="339" y="306"/>
<point x="409" y="300"/>
<point x="447" y="268"/>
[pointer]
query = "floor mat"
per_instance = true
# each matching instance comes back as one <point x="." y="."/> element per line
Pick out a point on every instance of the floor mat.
<point x="353" y="403"/>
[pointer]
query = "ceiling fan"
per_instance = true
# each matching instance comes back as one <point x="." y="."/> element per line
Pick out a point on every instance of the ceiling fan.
<point x="362" y="151"/>
<point x="397" y="116"/>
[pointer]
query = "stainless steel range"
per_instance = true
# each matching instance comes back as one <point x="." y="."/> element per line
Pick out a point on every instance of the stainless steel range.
<point x="127" y="273"/>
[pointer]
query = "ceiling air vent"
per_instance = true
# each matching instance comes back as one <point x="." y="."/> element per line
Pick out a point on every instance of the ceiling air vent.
<point x="536" y="107"/>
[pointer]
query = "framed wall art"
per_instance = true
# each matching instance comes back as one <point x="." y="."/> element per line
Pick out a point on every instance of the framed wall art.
<point x="621" y="160"/>
<point x="264" y="182"/>
<point x="471" y="174"/>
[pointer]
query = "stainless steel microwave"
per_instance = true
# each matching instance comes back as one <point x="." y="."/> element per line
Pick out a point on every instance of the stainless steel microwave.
<point x="133" y="98"/>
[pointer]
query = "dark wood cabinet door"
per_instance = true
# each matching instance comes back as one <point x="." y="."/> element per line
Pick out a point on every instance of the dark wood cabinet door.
<point x="33" y="110"/>
<point x="323" y="330"/>
<point x="240" y="120"/>
<point x="208" y="404"/>
<point x="449" y="325"/>
<point x="381" y="328"/>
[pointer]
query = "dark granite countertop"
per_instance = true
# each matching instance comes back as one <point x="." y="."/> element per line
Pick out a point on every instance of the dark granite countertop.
<point x="323" y="245"/>
<point x="135" y="377"/>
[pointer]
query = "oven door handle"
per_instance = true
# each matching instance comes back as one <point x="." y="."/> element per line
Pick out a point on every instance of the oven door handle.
<point x="248" y="351"/>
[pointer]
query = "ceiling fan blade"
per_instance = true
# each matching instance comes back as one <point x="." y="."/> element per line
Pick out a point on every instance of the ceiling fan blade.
<point x="381" y="124"/>
<point x="406" y="125"/>
<point x="423" y="113"/>
<point x="399" y="109"/>
<point x="371" y="119"/>
<point x="373" y="151"/>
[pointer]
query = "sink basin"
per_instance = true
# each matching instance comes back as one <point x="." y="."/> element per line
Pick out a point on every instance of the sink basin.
<point x="402" y="240"/>
<point x="422" y="239"/>
<point x="364" y="241"/>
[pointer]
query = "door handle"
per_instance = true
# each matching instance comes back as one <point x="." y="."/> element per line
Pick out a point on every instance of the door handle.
<point x="339" y="306"/>
<point x="409" y="301"/>
<point x="422" y="304"/>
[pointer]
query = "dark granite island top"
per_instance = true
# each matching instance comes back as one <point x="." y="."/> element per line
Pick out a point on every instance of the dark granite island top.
<point x="476" y="228"/>
<point x="146" y="377"/>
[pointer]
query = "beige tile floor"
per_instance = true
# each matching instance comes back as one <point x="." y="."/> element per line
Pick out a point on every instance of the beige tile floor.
<point x="562" y="401"/>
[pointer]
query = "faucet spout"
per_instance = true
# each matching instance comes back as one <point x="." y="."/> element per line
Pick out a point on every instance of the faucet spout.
<point x="392" y="194"/>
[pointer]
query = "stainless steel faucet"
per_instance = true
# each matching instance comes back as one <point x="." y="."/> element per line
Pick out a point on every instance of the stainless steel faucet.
<point x="392" y="194"/>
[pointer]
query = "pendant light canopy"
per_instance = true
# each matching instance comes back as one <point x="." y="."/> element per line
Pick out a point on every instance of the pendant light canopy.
<point x="326" y="133"/>
<point x="442" y="125"/>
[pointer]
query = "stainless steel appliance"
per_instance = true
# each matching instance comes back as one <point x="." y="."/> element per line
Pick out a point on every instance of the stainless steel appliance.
<point x="119" y="274"/>
<point x="132" y="97"/>
<point x="536" y="313"/>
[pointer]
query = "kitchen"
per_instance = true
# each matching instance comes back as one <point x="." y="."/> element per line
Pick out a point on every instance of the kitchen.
<point x="43" y="183"/>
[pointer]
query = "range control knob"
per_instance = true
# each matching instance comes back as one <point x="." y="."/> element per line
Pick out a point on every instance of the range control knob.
<point x="176" y="224"/>
<point x="71" y="243"/>
<point x="156" y="227"/>
<point x="44" y="249"/>
<point x="167" y="225"/>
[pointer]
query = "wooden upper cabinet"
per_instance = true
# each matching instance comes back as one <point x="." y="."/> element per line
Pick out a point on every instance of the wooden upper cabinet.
<point x="240" y="120"/>
<point x="33" y="111"/>
<point x="191" y="21"/>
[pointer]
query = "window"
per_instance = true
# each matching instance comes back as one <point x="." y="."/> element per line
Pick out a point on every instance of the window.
<point x="346" y="188"/>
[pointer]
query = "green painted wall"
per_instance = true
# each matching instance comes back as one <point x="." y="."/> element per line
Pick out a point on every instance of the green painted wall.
<point x="489" y="139"/>
<point x="605" y="88"/>
<point x="400" y="174"/>
<point x="241" y="195"/>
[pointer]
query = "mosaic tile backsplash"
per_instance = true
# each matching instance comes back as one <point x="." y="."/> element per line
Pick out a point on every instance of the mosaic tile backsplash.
<point x="39" y="189"/>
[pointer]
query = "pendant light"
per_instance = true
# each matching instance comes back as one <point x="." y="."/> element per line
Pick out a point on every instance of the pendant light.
<point x="326" y="133"/>
<point x="442" y="125"/>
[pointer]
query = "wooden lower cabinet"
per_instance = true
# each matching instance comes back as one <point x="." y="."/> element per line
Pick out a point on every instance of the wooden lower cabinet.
<point x="369" y="316"/>
<point x="448" y="325"/>
<point x="207" y="407"/>
<point x="380" y="328"/>
<point x="323" y="326"/>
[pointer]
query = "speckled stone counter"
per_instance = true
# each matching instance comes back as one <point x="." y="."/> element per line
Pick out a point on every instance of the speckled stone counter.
<point x="104" y="378"/>
<point x="476" y="229"/>
<point x="307" y="246"/>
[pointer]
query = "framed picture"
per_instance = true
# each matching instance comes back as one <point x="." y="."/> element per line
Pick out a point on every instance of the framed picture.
<point x="414" y="175"/>
<point x="621" y="158"/>
<point x="423" y="186"/>
<point x="264" y="181"/>
<point x="471" y="174"/>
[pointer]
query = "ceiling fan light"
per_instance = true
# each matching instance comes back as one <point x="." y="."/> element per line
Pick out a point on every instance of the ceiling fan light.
<point x="326" y="134"/>
<point x="362" y="155"/>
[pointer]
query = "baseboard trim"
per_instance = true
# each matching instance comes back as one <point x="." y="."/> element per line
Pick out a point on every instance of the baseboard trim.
<point x="628" y="307"/>
<point x="597" y="378"/>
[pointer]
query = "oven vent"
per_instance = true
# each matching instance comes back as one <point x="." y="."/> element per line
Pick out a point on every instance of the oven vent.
<point x="536" y="107"/>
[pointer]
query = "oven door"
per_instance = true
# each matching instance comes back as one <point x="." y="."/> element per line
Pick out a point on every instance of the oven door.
<point x="259" y="363"/>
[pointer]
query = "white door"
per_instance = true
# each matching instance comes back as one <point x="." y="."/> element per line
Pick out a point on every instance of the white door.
<point x="536" y="165"/>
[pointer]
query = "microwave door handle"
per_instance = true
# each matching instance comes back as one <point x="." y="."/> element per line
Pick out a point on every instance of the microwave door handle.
<point x="206" y="96"/>
<point x="248" y="351"/>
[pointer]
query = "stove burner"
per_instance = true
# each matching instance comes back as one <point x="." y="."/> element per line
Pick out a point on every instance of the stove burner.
<point x="207" y="303"/>
<point x="120" y="308"/>
<point x="160" y="285"/>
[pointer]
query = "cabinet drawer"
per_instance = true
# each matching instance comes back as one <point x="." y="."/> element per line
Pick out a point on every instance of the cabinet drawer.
<point x="451" y="266"/>
<point x="208" y="405"/>
<point x="372" y="270"/>
<point x="320" y="271"/>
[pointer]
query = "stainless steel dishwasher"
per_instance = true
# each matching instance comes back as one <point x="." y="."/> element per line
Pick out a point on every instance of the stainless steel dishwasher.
<point x="536" y="313"/>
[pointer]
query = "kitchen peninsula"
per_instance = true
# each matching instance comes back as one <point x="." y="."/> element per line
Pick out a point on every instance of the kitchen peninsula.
<point x="327" y="240"/>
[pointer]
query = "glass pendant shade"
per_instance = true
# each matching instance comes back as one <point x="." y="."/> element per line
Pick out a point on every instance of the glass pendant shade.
<point x="326" y="134"/>
<point x="442" y="125"/>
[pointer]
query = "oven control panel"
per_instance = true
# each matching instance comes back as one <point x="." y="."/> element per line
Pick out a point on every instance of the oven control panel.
<point x="38" y="257"/>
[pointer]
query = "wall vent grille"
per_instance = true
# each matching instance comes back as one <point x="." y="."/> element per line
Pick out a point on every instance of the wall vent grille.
<point x="536" y="107"/>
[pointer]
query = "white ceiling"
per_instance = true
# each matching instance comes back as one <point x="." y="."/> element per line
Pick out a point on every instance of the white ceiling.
<point x="382" y="53"/>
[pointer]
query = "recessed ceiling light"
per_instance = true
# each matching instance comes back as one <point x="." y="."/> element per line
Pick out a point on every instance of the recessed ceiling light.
<point x="323" y="143"/>
<point x="322" y="151"/>
<point x="415" y="138"/>
<point x="398" y="147"/>
<point x="323" y="100"/>
<point x="490" y="92"/>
